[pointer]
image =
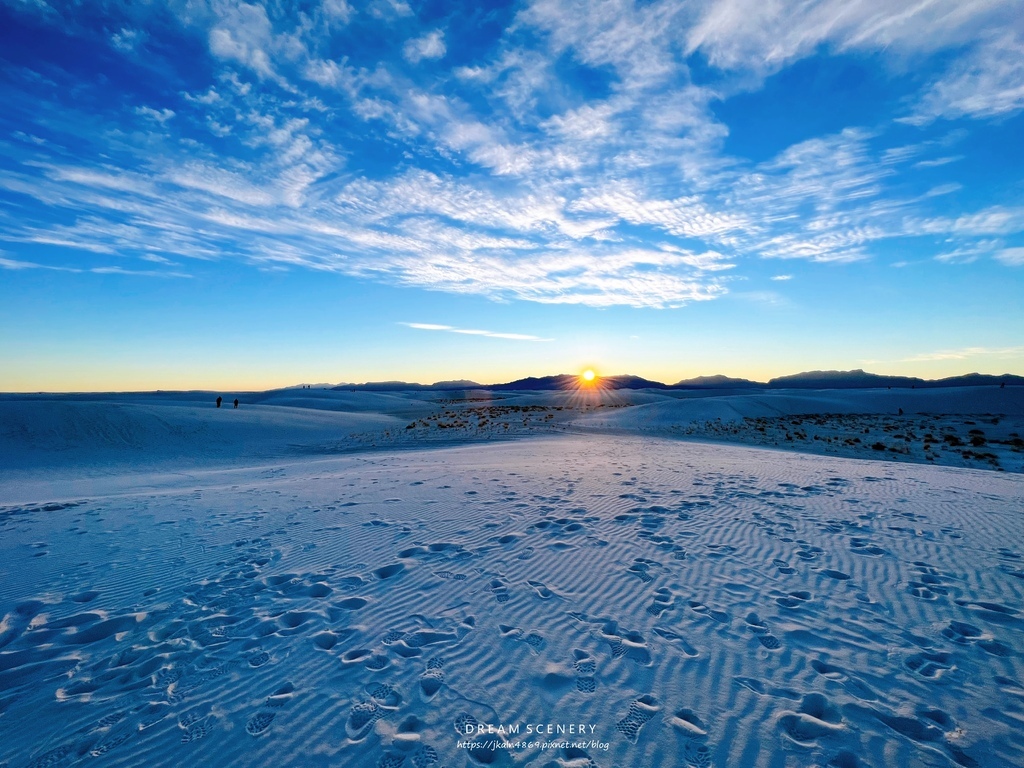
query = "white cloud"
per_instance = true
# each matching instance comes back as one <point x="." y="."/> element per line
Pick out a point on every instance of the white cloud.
<point x="337" y="10"/>
<point x="1011" y="257"/>
<point x="472" y="332"/>
<point x="995" y="220"/>
<point x="138" y="272"/>
<point x="761" y="37"/>
<point x="385" y="9"/>
<point x="964" y="353"/>
<point x="988" y="82"/>
<point x="112" y="179"/>
<point x="944" y="189"/>
<point x="127" y="39"/>
<point x="938" y="161"/>
<point x="634" y="39"/>
<point x="17" y="264"/>
<point x="158" y="115"/>
<point x="220" y="182"/>
<point x="969" y="253"/>
<point x="782" y="277"/>
<point x="429" y="46"/>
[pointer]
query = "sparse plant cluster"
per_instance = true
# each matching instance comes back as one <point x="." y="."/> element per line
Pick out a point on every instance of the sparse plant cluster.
<point x="935" y="438"/>
<point x="499" y="419"/>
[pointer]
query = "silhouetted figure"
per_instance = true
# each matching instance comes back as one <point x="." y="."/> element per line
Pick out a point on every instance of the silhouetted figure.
<point x="219" y="399"/>
<point x="1002" y="385"/>
<point x="236" y="405"/>
<point x="236" y="402"/>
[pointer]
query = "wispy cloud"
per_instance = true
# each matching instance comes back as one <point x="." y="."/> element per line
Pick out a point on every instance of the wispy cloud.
<point x="474" y="332"/>
<point x="763" y="37"/>
<point x="17" y="264"/>
<point x="968" y="254"/>
<point x="988" y="83"/>
<point x="965" y="353"/>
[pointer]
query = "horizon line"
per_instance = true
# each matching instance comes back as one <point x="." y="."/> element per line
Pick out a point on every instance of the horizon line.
<point x="393" y="384"/>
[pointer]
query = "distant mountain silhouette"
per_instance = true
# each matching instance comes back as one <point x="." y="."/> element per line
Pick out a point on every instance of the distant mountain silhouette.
<point x="856" y="379"/>
<point x="572" y="381"/>
<point x="404" y="386"/>
<point x="717" y="382"/>
<point x="977" y="380"/>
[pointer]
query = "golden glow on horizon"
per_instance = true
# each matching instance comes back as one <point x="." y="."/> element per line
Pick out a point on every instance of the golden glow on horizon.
<point x="588" y="376"/>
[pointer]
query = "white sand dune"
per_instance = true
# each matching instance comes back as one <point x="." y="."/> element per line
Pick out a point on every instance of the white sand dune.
<point x="194" y="586"/>
<point x="963" y="426"/>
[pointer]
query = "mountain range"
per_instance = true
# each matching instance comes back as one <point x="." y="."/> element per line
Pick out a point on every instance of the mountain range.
<point x="856" y="379"/>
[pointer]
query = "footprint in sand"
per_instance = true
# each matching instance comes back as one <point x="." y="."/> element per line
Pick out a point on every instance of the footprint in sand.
<point x="626" y="643"/>
<point x="783" y="566"/>
<point x="500" y="590"/>
<point x="662" y="602"/>
<point x="258" y="658"/>
<point x="930" y="665"/>
<point x="677" y="640"/>
<point x="794" y="599"/>
<point x="425" y="757"/>
<point x="467" y="725"/>
<point x="117" y="736"/>
<point x="533" y="639"/>
<point x="963" y="633"/>
<point x="866" y="547"/>
<point x="817" y="717"/>
<point x="761" y="631"/>
<point x="541" y="589"/>
<point x="194" y="727"/>
<point x="382" y="699"/>
<point x="720" y="616"/>
<point x="432" y="680"/>
<point x="834" y="574"/>
<point x="526" y="554"/>
<point x="585" y="668"/>
<point x="51" y="757"/>
<point x="809" y="552"/>
<point x="854" y="686"/>
<point x="687" y="721"/>
<point x="576" y="757"/>
<point x="640" y="712"/>
<point x="640" y="568"/>
<point x="697" y="754"/>
<point x="361" y="719"/>
<point x="261" y="721"/>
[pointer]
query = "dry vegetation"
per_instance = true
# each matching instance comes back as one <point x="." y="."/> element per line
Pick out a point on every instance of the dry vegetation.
<point x="986" y="442"/>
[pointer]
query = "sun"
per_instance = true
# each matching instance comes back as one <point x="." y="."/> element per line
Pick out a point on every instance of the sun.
<point x="588" y="376"/>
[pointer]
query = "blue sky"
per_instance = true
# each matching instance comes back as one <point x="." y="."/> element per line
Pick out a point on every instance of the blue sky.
<point x="230" y="195"/>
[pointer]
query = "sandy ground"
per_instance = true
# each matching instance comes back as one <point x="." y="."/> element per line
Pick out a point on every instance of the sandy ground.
<point x="288" y="584"/>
